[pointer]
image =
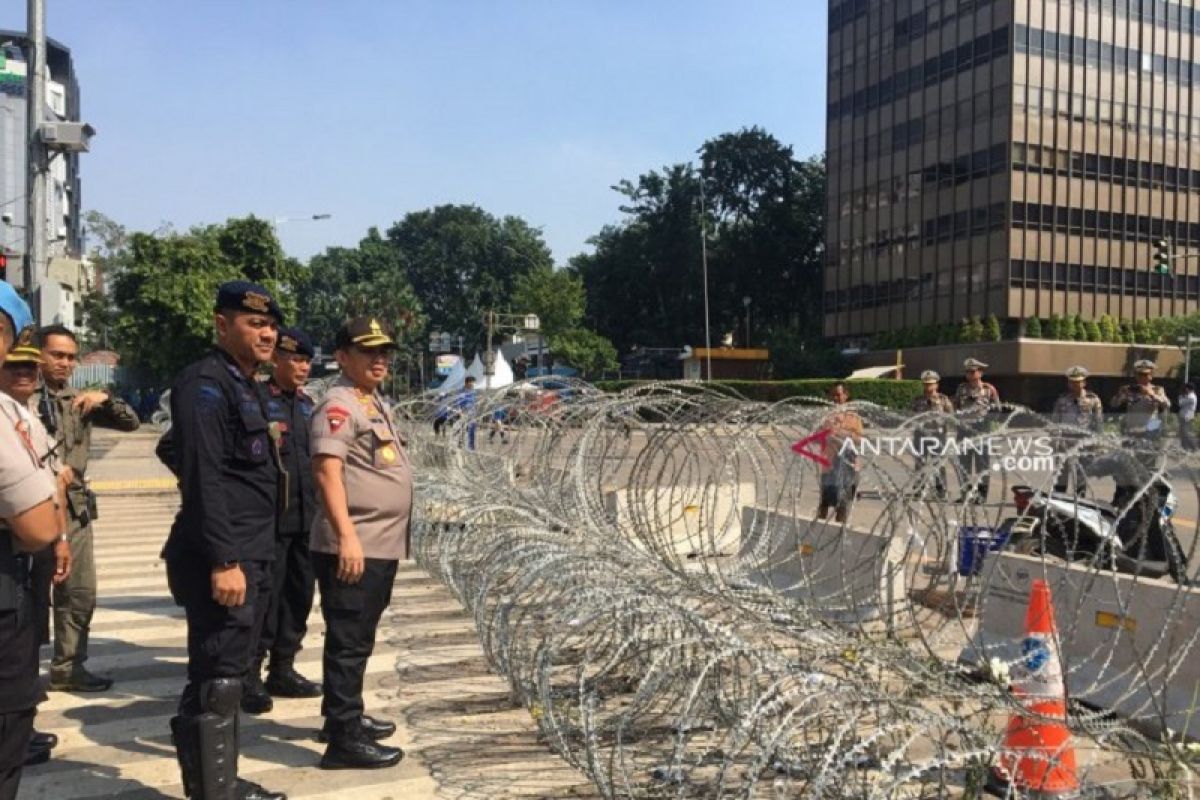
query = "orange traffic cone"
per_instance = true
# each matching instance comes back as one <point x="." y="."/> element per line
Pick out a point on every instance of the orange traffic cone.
<point x="1037" y="758"/>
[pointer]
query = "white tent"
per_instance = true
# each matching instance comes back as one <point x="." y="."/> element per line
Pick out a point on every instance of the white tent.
<point x="501" y="377"/>
<point x="454" y="381"/>
<point x="476" y="370"/>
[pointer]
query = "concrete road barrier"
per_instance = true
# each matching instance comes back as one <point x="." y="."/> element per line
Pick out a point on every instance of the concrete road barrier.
<point x="847" y="575"/>
<point x="686" y="521"/>
<point x="1129" y="644"/>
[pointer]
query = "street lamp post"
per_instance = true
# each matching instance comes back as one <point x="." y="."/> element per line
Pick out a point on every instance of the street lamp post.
<point x="495" y="321"/>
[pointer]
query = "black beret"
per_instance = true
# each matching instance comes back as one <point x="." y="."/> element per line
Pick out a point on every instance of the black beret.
<point x="247" y="296"/>
<point x="294" y="340"/>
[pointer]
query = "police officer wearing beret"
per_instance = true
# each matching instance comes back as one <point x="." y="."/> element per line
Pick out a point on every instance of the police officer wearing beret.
<point x="364" y="484"/>
<point x="30" y="520"/>
<point x="1077" y="408"/>
<point x="221" y="546"/>
<point x="289" y="413"/>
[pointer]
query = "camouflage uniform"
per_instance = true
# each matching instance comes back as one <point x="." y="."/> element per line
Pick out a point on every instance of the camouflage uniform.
<point x="1085" y="411"/>
<point x="974" y="403"/>
<point x="937" y="403"/>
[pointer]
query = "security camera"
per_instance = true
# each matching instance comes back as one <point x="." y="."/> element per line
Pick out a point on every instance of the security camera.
<point x="6" y="218"/>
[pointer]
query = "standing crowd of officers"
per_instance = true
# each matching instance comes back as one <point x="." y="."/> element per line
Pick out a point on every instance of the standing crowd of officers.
<point x="278" y="495"/>
<point x="1142" y="404"/>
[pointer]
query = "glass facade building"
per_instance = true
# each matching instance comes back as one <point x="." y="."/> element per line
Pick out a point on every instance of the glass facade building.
<point x="1009" y="157"/>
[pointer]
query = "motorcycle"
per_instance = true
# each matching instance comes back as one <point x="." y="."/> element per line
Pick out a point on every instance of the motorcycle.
<point x="1133" y="535"/>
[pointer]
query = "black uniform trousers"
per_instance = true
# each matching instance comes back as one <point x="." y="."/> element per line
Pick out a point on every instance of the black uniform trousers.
<point x="221" y="640"/>
<point x="15" y="729"/>
<point x="292" y="589"/>
<point x="352" y="612"/>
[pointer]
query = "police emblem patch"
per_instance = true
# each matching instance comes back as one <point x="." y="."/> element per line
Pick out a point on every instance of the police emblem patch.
<point x="257" y="448"/>
<point x="337" y="417"/>
<point x="256" y="302"/>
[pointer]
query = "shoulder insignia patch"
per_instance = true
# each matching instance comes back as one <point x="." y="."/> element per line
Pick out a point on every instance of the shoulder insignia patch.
<point x="337" y="417"/>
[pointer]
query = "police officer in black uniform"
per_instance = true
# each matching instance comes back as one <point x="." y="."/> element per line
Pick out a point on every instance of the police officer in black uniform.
<point x="221" y="546"/>
<point x="29" y="521"/>
<point x="289" y="411"/>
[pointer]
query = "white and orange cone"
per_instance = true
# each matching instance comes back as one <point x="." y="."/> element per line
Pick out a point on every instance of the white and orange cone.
<point x="1037" y="758"/>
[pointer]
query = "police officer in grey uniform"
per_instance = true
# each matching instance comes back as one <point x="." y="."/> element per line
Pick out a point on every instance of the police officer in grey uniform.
<point x="364" y="488"/>
<point x="975" y="400"/>
<point x="30" y="520"/>
<point x="222" y="543"/>
<point x="1144" y="405"/>
<point x="1079" y="408"/>
<point x="935" y="404"/>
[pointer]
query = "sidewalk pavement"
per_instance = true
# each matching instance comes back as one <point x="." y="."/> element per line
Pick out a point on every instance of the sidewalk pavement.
<point x="462" y="737"/>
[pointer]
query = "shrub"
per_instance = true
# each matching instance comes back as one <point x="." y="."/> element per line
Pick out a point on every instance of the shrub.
<point x="1054" y="327"/>
<point x="1092" y="328"/>
<point x="1033" y="328"/>
<point x="991" y="329"/>
<point x="1108" y="329"/>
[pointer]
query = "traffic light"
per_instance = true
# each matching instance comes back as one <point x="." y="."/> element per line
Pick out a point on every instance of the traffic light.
<point x="1162" y="256"/>
<point x="3" y="266"/>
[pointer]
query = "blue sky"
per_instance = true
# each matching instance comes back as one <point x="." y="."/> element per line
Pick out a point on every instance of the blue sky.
<point x="369" y="109"/>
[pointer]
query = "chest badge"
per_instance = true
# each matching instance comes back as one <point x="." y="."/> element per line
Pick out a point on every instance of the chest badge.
<point x="388" y="454"/>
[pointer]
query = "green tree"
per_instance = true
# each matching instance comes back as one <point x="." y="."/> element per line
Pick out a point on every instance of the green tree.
<point x="588" y="352"/>
<point x="794" y="355"/>
<point x="556" y="296"/>
<point x="461" y="261"/>
<point x="1033" y="328"/>
<point x="108" y="253"/>
<point x="370" y="280"/>
<point x="991" y="331"/>
<point x="764" y="220"/>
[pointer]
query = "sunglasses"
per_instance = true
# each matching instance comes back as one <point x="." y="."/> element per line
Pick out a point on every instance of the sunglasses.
<point x="18" y="366"/>
<point x="374" y="352"/>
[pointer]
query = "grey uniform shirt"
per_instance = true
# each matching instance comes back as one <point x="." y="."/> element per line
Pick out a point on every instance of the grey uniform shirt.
<point x="358" y="430"/>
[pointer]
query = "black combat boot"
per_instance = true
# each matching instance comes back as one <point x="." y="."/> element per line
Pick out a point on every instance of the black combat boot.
<point x="255" y="699"/>
<point x="284" y="681"/>
<point x="375" y="729"/>
<point x="351" y="748"/>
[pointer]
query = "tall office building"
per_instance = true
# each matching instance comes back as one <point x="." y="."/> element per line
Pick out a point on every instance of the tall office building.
<point x="1010" y="157"/>
<point x="65" y="279"/>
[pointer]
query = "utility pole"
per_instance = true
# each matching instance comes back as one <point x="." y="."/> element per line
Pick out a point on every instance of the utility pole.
<point x="704" y="268"/>
<point x="489" y="366"/>
<point x="36" y="160"/>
